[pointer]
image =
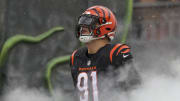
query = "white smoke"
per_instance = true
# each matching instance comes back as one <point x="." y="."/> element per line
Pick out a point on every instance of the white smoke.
<point x="160" y="87"/>
<point x="27" y="94"/>
<point x="22" y="94"/>
<point x="161" y="74"/>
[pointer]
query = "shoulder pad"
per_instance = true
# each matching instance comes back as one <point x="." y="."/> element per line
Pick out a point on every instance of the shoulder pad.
<point x="77" y="53"/>
<point x="72" y="57"/>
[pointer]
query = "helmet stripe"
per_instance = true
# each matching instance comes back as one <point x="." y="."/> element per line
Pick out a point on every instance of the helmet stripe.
<point x="96" y="11"/>
<point x="109" y="15"/>
<point x="104" y="15"/>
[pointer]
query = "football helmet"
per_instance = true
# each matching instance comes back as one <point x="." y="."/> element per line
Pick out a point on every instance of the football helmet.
<point x="100" y="21"/>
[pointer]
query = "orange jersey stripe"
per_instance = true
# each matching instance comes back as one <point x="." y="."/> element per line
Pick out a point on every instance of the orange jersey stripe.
<point x="72" y="57"/>
<point x="121" y="48"/>
<point x="126" y="51"/>
<point x="112" y="51"/>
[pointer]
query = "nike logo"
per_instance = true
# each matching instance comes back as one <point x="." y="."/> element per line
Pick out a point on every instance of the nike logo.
<point x="124" y="56"/>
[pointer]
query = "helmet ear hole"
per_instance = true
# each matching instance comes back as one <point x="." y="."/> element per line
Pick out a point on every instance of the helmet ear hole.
<point x="108" y="29"/>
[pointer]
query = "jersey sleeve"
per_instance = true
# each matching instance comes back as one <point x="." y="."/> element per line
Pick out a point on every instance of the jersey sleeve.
<point x="120" y="55"/>
<point x="122" y="59"/>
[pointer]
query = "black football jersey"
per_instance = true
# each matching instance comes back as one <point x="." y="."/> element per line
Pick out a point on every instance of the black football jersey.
<point x="88" y="70"/>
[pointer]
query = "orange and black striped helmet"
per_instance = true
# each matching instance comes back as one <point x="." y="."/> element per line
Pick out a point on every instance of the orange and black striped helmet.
<point x="102" y="16"/>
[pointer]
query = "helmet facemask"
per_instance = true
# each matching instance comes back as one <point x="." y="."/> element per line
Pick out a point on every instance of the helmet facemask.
<point x="89" y="24"/>
<point x="86" y="36"/>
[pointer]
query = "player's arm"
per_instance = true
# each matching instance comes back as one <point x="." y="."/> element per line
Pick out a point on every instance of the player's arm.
<point x="127" y="75"/>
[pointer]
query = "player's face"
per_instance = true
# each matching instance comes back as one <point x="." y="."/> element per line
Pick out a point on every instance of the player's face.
<point x="85" y="31"/>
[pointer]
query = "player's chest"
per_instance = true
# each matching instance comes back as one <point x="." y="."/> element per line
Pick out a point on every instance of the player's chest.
<point x="91" y="64"/>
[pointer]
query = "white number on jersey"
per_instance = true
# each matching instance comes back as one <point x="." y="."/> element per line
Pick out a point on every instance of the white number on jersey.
<point x="82" y="85"/>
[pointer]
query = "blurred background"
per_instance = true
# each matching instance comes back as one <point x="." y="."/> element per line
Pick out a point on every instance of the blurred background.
<point x="154" y="25"/>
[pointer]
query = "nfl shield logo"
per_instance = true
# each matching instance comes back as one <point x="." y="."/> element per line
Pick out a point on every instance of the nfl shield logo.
<point x="89" y="62"/>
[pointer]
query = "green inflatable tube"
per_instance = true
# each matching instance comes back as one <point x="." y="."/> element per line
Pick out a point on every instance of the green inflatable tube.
<point x="11" y="42"/>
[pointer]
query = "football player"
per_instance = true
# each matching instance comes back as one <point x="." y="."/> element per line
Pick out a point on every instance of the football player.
<point x="99" y="58"/>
